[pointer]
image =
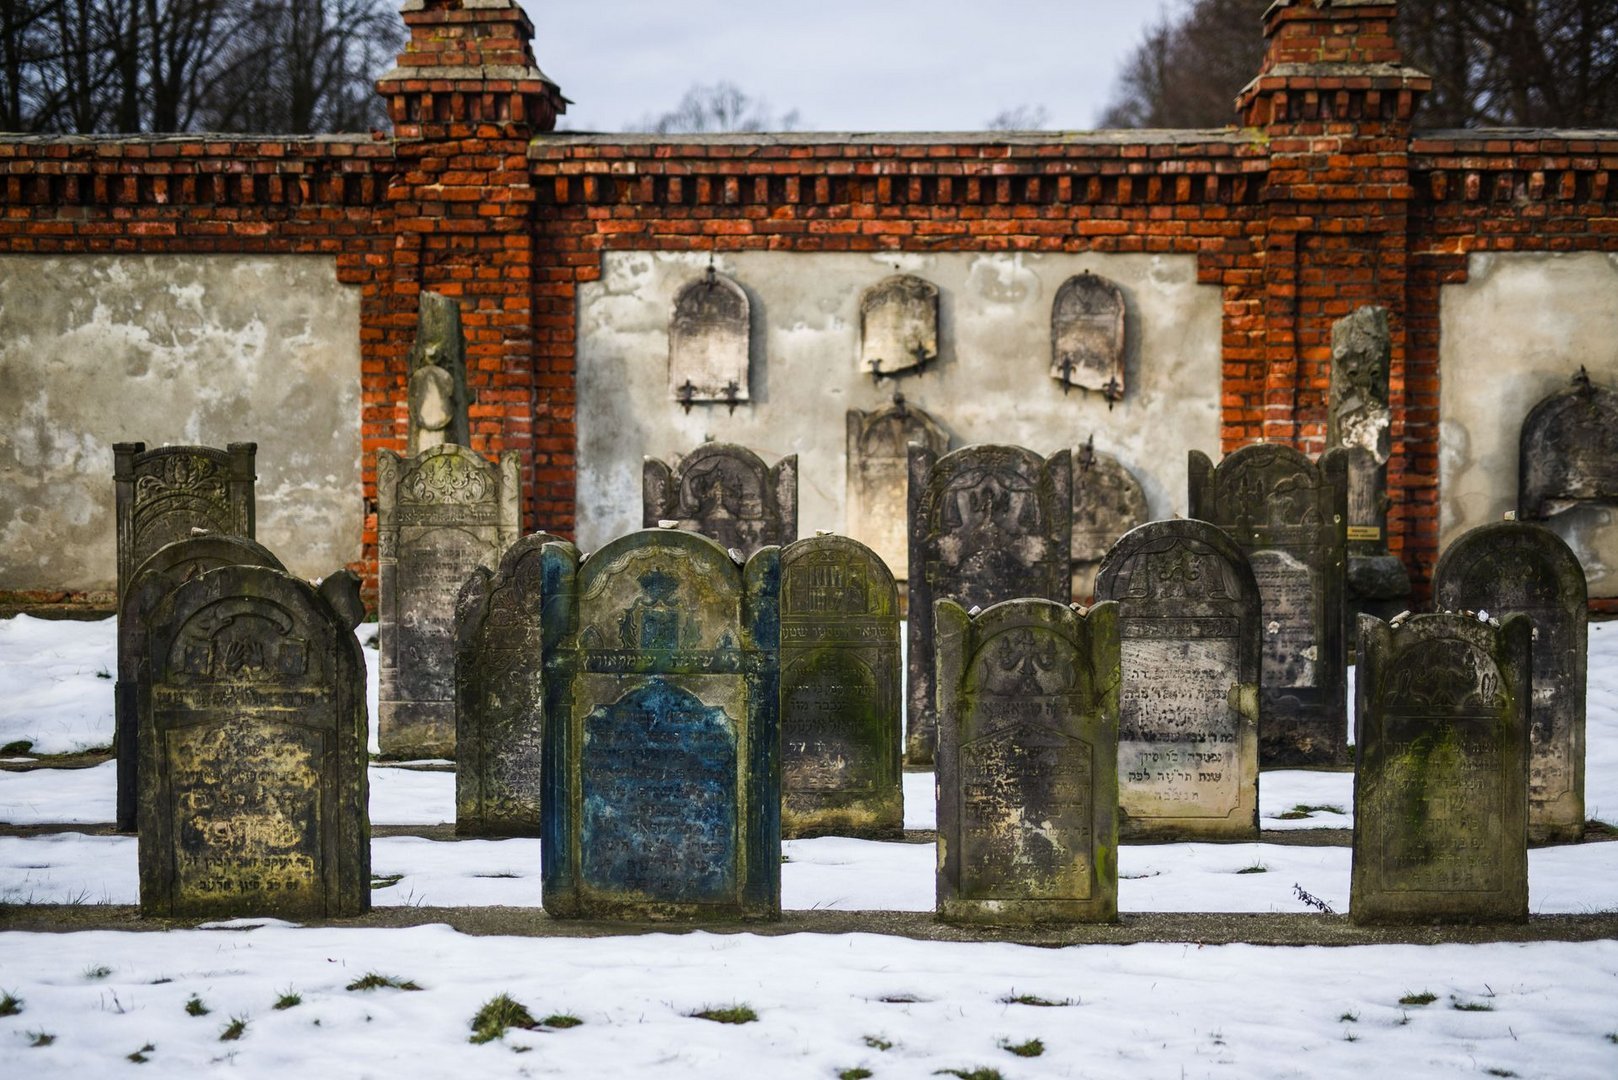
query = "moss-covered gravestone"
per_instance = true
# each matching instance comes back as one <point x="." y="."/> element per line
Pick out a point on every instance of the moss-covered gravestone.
<point x="661" y="796"/>
<point x="440" y="515"/>
<point x="253" y="750"/>
<point x="1517" y="568"/>
<point x="168" y="567"/>
<point x="1441" y="777"/>
<point x="840" y="686"/>
<point x="987" y="524"/>
<point x="1027" y="763"/>
<point x="1288" y="515"/>
<point x="1188" y="710"/>
<point x="726" y="493"/>
<point x="499" y="694"/>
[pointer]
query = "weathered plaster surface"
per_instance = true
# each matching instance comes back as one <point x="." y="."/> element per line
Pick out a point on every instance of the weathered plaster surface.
<point x="174" y="349"/>
<point x="991" y="382"/>
<point x="1513" y="334"/>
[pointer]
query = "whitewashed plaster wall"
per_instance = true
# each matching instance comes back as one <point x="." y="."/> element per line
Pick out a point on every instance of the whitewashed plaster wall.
<point x="991" y="382"/>
<point x="96" y="350"/>
<point x="1514" y="333"/>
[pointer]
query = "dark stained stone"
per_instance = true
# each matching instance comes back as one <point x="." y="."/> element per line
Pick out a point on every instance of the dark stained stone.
<point x="841" y="729"/>
<point x="1287" y="514"/>
<point x="1027" y="763"/>
<point x="878" y="472"/>
<point x="709" y="337"/>
<point x="166" y="494"/>
<point x="160" y="574"/>
<point x="898" y="325"/>
<point x="1569" y="451"/>
<point x="439" y="399"/>
<point x="440" y="515"/>
<point x="726" y="493"/>
<point x="1361" y="356"/>
<point x="661" y="792"/>
<point x="253" y="752"/>
<point x="1524" y="569"/>
<point x="1087" y="335"/>
<point x="1440" y="786"/>
<point x="1189" y="623"/>
<point x="499" y="696"/>
<point x="1107" y="503"/>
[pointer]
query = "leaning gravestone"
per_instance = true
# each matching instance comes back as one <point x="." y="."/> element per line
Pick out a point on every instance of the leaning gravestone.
<point x="253" y="750"/>
<point x="726" y="493"/>
<point x="841" y="730"/>
<point x="1514" y="568"/>
<point x="1440" y="783"/>
<point x="439" y="515"/>
<point x="879" y="469"/>
<point x="166" y="494"/>
<point x="1027" y="763"/>
<point x="1569" y="451"/>
<point x="499" y="695"/>
<point x="661" y="795"/>
<point x="1287" y="513"/>
<point x="987" y="524"/>
<point x="1189" y="614"/>
<point x="1107" y="503"/>
<point x="167" y="568"/>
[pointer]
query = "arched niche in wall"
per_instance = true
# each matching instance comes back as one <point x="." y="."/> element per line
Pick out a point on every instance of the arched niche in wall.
<point x="709" y="342"/>
<point x="1087" y="335"/>
<point x="898" y="325"/>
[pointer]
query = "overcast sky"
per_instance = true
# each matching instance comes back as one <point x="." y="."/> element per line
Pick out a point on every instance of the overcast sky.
<point x="845" y="65"/>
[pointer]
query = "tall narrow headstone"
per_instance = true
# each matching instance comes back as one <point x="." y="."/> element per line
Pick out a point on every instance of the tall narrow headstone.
<point x="1107" y="503"/>
<point x="253" y="750"/>
<point x="439" y="399"/>
<point x="987" y="524"/>
<point x="1569" y="451"/>
<point x="1087" y="335"/>
<point x="898" y="325"/>
<point x="841" y="729"/>
<point x="1441" y="776"/>
<point x="1524" y="569"/>
<point x="878" y="471"/>
<point x="164" y="495"/>
<point x="1287" y="514"/>
<point x="709" y="342"/>
<point x="1189" y="614"/>
<point x="440" y="515"/>
<point x="1027" y="763"/>
<point x="499" y="694"/>
<point x="661" y="796"/>
<point x="160" y="574"/>
<point x="726" y="493"/>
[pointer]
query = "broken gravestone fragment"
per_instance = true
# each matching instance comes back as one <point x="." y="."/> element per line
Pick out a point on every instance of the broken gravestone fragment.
<point x="439" y="399"/>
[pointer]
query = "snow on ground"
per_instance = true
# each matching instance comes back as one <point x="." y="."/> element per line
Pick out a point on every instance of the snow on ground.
<point x="56" y="683"/>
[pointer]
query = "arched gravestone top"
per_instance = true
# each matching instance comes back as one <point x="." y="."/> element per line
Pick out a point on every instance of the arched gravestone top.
<point x="841" y="725"/>
<point x="1189" y="621"/>
<point x="1288" y="514"/>
<point x="987" y="524"/>
<point x="898" y="325"/>
<point x="1087" y="335"/>
<point x="1440" y="779"/>
<point x="1107" y="503"/>
<point x="661" y="793"/>
<point x="167" y="568"/>
<point x="1027" y="763"/>
<point x="1569" y="451"/>
<point x="1514" y="567"/>
<point x="163" y="495"/>
<point x="878" y="456"/>
<point x="253" y="752"/>
<point x="499" y="694"/>
<point x="726" y="493"/>
<point x="709" y="340"/>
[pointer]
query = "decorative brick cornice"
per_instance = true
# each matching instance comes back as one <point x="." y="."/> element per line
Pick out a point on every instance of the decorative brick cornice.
<point x="1332" y="61"/>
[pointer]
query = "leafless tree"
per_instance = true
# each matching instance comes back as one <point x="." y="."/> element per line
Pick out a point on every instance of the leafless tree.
<point x="721" y="107"/>
<point x="1019" y="118"/>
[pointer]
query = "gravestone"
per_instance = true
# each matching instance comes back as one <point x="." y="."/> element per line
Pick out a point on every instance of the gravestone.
<point x="499" y="696"/>
<point x="1087" y="335"/>
<point x="1568" y="452"/>
<point x="439" y="515"/>
<point x="1027" y="763"/>
<point x="1517" y="568"/>
<point x="878" y="472"/>
<point x="164" y="495"/>
<point x="987" y="524"/>
<point x="1189" y="614"/>
<point x="160" y="574"/>
<point x="253" y="750"/>
<point x="709" y="335"/>
<point x="439" y="399"/>
<point x="1440" y="782"/>
<point x="661" y="794"/>
<point x="1107" y="503"/>
<point x="841" y="729"/>
<point x="898" y="325"/>
<point x="726" y="493"/>
<point x="1286" y="513"/>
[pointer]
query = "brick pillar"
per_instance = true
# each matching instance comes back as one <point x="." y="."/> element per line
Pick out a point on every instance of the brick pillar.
<point x="465" y="98"/>
<point x="1335" y="102"/>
